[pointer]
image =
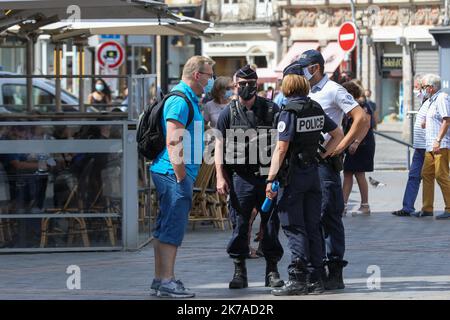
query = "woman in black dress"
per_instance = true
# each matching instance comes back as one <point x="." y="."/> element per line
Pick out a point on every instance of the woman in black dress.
<point x="359" y="155"/>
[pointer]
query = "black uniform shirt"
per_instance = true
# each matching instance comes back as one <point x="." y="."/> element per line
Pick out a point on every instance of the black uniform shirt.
<point x="224" y="121"/>
<point x="287" y="124"/>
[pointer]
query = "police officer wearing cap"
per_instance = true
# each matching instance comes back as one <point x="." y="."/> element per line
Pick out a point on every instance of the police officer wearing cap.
<point x="295" y="165"/>
<point x="336" y="102"/>
<point x="242" y="175"/>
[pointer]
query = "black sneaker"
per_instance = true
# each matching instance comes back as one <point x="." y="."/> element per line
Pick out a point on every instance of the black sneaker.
<point x="401" y="213"/>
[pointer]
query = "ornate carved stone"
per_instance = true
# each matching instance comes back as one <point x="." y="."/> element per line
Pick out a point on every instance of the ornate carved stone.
<point x="434" y="16"/>
<point x="213" y="10"/>
<point x="322" y="17"/>
<point x="404" y="16"/>
<point x="299" y="19"/>
<point x="420" y="16"/>
<point x="391" y="17"/>
<point x="247" y="10"/>
<point x="310" y="20"/>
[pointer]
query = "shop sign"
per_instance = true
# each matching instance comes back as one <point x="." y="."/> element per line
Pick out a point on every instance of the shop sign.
<point x="389" y="63"/>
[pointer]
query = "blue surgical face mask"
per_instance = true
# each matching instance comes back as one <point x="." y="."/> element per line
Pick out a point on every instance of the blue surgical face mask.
<point x="99" y="87"/>
<point x="228" y="94"/>
<point x="307" y="74"/>
<point x="207" y="89"/>
<point x="425" y="94"/>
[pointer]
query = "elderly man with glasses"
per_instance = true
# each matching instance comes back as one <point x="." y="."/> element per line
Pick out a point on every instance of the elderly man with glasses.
<point x="436" y="164"/>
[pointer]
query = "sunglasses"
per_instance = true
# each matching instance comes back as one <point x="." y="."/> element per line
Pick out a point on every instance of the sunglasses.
<point x="244" y="84"/>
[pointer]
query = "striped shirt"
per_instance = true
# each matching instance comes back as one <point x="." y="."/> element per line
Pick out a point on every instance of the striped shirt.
<point x="419" y="132"/>
<point x="438" y="108"/>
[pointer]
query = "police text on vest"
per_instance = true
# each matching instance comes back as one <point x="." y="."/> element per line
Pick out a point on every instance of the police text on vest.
<point x="310" y="124"/>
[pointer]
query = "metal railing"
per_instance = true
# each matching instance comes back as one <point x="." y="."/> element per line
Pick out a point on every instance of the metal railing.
<point x="410" y="115"/>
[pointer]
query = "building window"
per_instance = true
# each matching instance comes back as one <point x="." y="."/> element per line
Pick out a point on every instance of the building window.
<point x="264" y="9"/>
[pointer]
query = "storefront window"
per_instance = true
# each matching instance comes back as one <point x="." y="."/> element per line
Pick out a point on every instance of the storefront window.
<point x="61" y="186"/>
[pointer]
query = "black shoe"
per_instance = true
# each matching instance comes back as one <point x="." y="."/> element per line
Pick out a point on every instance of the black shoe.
<point x="291" y="288"/>
<point x="401" y="213"/>
<point x="335" y="279"/>
<point x="272" y="275"/>
<point x="315" y="283"/>
<point x="273" y="280"/>
<point x="239" y="280"/>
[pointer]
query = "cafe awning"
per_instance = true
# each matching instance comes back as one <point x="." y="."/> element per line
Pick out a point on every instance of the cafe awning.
<point x="333" y="56"/>
<point x="36" y="13"/>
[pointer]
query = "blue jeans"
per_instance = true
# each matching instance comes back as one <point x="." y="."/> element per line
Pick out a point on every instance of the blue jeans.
<point x="175" y="202"/>
<point x="414" y="179"/>
<point x="332" y="208"/>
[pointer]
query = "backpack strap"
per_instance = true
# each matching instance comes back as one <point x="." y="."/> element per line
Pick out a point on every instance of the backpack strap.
<point x="181" y="94"/>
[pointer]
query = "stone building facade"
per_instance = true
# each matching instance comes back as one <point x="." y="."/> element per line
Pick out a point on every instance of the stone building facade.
<point x="247" y="32"/>
<point x="394" y="42"/>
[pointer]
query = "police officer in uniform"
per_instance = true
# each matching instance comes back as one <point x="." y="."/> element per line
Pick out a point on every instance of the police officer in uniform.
<point x="242" y="175"/>
<point x="336" y="102"/>
<point x="295" y="165"/>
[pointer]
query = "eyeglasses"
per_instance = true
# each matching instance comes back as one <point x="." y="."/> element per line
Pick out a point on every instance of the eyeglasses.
<point x="243" y="84"/>
<point x="211" y="75"/>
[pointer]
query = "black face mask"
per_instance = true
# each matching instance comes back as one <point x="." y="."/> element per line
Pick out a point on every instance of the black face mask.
<point x="247" y="92"/>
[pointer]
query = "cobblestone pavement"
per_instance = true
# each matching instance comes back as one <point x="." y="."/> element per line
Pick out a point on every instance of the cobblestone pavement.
<point x="412" y="254"/>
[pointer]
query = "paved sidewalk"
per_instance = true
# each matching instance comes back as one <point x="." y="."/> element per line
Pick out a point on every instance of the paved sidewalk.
<point x="413" y="256"/>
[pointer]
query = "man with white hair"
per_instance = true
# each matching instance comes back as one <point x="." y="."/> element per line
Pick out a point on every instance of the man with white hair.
<point x="419" y="144"/>
<point x="436" y="164"/>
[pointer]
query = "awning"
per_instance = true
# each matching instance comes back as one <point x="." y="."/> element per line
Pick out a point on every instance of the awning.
<point x="333" y="56"/>
<point x="175" y="27"/>
<point x="120" y="17"/>
<point x="50" y="11"/>
<point x="267" y="75"/>
<point x="294" y="52"/>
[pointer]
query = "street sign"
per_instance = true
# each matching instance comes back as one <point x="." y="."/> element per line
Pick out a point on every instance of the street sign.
<point x="110" y="54"/>
<point x="347" y="36"/>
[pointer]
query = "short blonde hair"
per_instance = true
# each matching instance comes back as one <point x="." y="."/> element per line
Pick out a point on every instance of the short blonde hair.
<point x="293" y="85"/>
<point x="196" y="63"/>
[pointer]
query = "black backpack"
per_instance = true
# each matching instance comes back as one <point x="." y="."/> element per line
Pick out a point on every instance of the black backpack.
<point x="149" y="136"/>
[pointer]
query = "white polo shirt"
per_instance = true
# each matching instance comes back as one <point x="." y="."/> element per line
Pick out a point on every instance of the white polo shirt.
<point x="438" y="108"/>
<point x="334" y="99"/>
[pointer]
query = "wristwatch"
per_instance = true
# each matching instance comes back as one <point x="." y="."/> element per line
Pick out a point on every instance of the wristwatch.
<point x="269" y="181"/>
<point x="438" y="140"/>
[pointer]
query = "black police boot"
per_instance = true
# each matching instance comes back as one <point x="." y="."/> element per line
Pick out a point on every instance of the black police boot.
<point x="297" y="284"/>
<point x="272" y="275"/>
<point x="239" y="280"/>
<point x="315" y="282"/>
<point x="335" y="280"/>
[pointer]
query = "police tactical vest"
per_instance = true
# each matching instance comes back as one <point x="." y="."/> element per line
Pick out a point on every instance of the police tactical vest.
<point x="310" y="121"/>
<point x="247" y="155"/>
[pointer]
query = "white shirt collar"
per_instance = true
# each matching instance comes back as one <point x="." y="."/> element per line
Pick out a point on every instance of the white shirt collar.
<point x="319" y="85"/>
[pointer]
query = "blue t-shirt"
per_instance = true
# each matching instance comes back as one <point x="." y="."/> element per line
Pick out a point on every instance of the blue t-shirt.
<point x="177" y="109"/>
<point x="287" y="123"/>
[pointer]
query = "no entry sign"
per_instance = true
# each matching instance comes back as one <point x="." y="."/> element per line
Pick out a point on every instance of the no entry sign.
<point x="347" y="36"/>
<point x="110" y="54"/>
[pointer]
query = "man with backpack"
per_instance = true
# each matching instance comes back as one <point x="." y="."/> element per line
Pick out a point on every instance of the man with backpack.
<point x="175" y="168"/>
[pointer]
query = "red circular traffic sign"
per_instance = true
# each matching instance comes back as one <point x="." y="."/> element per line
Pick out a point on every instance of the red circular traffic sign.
<point x="110" y="54"/>
<point x="347" y="36"/>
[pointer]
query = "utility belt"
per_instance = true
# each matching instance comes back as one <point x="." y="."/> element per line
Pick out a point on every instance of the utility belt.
<point x="249" y="171"/>
<point x="335" y="162"/>
<point x="304" y="160"/>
